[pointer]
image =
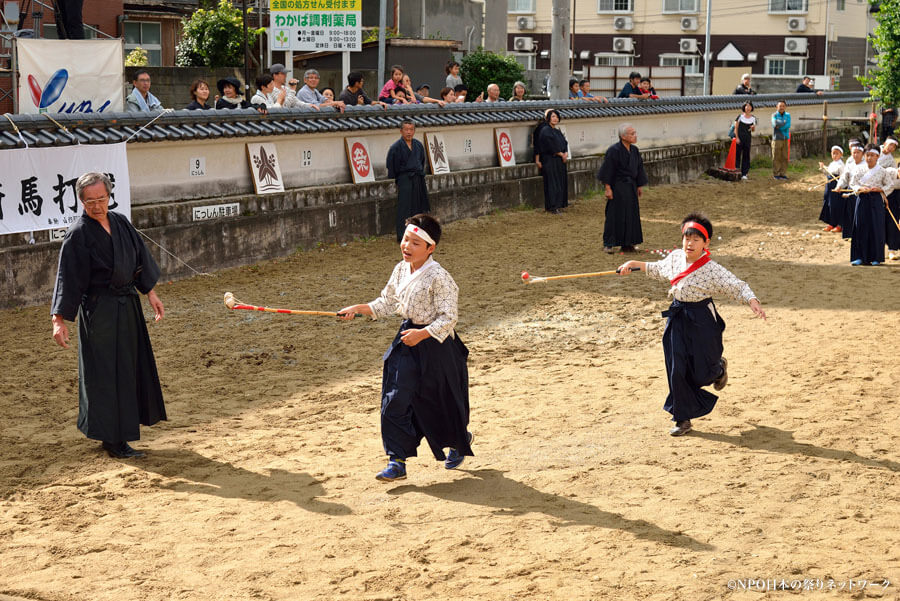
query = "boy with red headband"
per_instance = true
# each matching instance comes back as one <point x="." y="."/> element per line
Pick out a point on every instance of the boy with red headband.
<point x="692" y="340"/>
<point x="425" y="381"/>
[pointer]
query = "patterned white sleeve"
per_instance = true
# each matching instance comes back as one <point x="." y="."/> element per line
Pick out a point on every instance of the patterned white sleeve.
<point x="445" y="298"/>
<point x="387" y="304"/>
<point x="661" y="269"/>
<point x="728" y="284"/>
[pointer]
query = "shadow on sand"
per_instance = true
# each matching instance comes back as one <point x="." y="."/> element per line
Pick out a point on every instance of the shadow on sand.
<point x="195" y="473"/>
<point x="765" y="438"/>
<point x="491" y="488"/>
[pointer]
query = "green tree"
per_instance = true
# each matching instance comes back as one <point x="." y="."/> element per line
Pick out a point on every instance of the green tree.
<point x="214" y="38"/>
<point x="480" y="68"/>
<point x="885" y="78"/>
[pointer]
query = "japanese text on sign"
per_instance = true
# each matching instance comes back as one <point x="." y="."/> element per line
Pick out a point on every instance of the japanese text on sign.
<point x="217" y="211"/>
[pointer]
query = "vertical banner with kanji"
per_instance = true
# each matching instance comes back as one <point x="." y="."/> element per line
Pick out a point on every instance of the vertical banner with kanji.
<point x="37" y="185"/>
<point x="504" y="147"/>
<point x="316" y="25"/>
<point x="360" y="160"/>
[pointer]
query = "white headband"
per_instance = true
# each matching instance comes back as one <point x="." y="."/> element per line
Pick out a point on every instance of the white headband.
<point x="833" y="148"/>
<point x="420" y="232"/>
<point x="856" y="146"/>
<point x="892" y="141"/>
<point x="873" y="151"/>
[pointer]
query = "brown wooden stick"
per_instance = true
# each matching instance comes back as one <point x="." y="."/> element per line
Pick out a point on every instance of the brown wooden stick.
<point x="534" y="280"/>
<point x="232" y="303"/>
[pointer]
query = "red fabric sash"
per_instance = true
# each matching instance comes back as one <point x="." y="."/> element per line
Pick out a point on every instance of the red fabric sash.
<point x="703" y="260"/>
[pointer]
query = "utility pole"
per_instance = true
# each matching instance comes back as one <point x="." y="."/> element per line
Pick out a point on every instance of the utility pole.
<point x="382" y="24"/>
<point x="707" y="51"/>
<point x="559" y="50"/>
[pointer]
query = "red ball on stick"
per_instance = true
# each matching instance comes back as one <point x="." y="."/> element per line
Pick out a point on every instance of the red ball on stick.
<point x="525" y="275"/>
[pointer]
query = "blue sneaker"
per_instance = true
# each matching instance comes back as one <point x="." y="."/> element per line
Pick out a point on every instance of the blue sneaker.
<point x="395" y="470"/>
<point x="876" y="263"/>
<point x="856" y="262"/>
<point x="454" y="459"/>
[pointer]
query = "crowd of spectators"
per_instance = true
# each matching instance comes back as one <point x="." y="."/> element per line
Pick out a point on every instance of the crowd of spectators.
<point x="273" y="89"/>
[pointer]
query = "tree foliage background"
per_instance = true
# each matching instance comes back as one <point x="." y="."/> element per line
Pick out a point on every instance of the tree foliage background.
<point x="214" y="37"/>
<point x="885" y="78"/>
<point x="480" y="68"/>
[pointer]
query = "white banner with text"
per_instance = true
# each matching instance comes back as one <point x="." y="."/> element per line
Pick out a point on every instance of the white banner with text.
<point x="37" y="185"/>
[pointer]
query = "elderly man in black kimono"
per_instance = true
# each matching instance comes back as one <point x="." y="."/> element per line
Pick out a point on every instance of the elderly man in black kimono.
<point x="623" y="177"/>
<point x="406" y="165"/>
<point x="103" y="263"/>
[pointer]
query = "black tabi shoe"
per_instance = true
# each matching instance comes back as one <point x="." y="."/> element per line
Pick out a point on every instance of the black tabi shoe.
<point x="122" y="450"/>
<point x="720" y="382"/>
<point x="681" y="428"/>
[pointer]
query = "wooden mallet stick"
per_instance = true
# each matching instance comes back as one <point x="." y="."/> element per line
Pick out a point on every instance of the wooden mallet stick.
<point x="529" y="279"/>
<point x="232" y="303"/>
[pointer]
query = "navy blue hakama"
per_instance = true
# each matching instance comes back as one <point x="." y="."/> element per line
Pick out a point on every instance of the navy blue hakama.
<point x="425" y="392"/>
<point x="692" y="342"/>
<point x="832" y="211"/>
<point x="867" y="242"/>
<point x="891" y="233"/>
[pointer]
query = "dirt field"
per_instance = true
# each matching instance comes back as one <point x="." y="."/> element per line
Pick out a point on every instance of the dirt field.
<point x="261" y="485"/>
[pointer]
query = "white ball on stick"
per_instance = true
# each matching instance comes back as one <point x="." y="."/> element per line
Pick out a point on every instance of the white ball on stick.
<point x="229" y="300"/>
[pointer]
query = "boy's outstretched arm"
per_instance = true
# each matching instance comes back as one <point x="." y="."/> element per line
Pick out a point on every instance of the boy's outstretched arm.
<point x="756" y="307"/>
<point x="629" y="266"/>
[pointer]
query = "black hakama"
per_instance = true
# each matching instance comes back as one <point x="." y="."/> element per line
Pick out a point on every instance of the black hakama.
<point x="425" y="392"/>
<point x="553" y="169"/>
<point x="867" y="242"/>
<point x="849" y="214"/>
<point x="623" y="170"/>
<point x="99" y="277"/>
<point x="407" y="167"/>
<point x="891" y="233"/>
<point x="832" y="206"/>
<point x="692" y="343"/>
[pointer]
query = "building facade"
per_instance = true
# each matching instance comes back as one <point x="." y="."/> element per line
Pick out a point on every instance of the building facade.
<point x="778" y="40"/>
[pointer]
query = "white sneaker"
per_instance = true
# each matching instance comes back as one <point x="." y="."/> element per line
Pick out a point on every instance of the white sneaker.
<point x="744" y="177"/>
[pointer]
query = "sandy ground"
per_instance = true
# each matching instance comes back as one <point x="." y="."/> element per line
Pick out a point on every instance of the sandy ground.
<point x="261" y="485"/>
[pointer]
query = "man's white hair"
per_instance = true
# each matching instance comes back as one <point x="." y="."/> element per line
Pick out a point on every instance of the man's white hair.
<point x="623" y="129"/>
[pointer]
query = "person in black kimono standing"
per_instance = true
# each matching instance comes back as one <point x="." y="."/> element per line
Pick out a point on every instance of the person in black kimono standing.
<point x="103" y="263"/>
<point x="622" y="174"/>
<point x="406" y="165"/>
<point x="554" y="152"/>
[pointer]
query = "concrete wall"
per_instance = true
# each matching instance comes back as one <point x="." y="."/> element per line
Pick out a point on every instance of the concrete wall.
<point x="160" y="171"/>
<point x="279" y="224"/>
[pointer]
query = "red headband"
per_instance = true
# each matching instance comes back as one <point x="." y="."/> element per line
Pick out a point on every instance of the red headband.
<point x="695" y="226"/>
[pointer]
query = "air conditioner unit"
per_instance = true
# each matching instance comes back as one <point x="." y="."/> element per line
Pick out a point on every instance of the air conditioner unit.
<point x="623" y="44"/>
<point x="795" y="45"/>
<point x="796" y="24"/>
<point x="525" y="23"/>
<point x="523" y="44"/>
<point x="689" y="24"/>
<point x="623" y="23"/>
<point x="687" y="45"/>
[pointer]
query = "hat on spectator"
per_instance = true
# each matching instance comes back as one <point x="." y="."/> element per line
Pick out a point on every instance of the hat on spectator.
<point x="277" y="68"/>
<point x="424" y="86"/>
<point x="232" y="81"/>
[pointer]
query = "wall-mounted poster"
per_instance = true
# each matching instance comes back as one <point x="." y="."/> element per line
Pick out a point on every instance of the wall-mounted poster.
<point x="504" y="147"/>
<point x="437" y="153"/>
<point x="360" y="160"/>
<point x="264" y="167"/>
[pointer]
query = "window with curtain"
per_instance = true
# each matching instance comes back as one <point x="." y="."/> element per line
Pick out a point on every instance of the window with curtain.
<point x="615" y="6"/>
<point x="681" y="6"/>
<point x="521" y="6"/>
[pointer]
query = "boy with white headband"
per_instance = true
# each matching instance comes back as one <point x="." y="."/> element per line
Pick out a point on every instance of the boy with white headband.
<point x="425" y="382"/>
<point x="868" y="233"/>
<point x="854" y="169"/>
<point x="832" y="212"/>
<point x="886" y="158"/>
<point x="692" y="340"/>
